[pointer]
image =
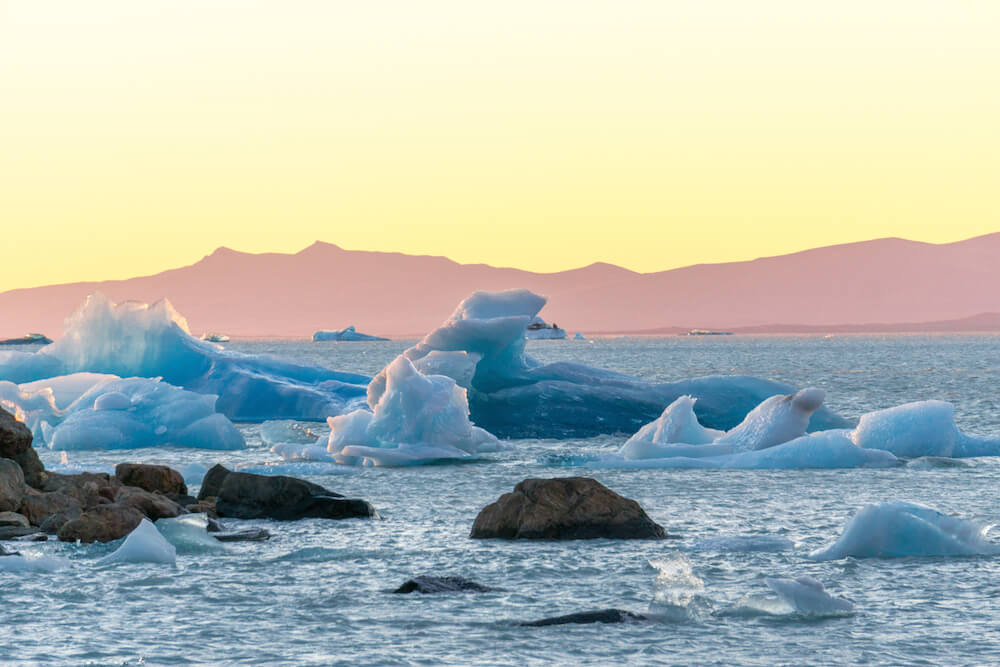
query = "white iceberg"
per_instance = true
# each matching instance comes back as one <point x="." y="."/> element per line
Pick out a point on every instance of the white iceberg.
<point x="350" y="334"/>
<point x="137" y="340"/>
<point x="539" y="329"/>
<point x="898" y="529"/>
<point x="414" y="419"/>
<point x="145" y="544"/>
<point x="119" y="413"/>
<point x="482" y="347"/>
<point x="188" y="533"/>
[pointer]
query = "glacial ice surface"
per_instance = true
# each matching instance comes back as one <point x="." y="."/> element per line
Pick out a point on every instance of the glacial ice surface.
<point x="482" y="347"/>
<point x="898" y="529"/>
<point x="137" y="340"/>
<point x="145" y="544"/>
<point x="350" y="334"/>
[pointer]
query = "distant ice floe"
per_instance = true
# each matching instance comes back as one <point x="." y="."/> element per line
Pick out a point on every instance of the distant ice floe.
<point x="898" y="529"/>
<point x="96" y="411"/>
<point x="145" y="544"/>
<point x="799" y="597"/>
<point x="539" y="329"/>
<point x="133" y="339"/>
<point x="350" y="334"/>
<point x="773" y="436"/>
<point x="482" y="348"/>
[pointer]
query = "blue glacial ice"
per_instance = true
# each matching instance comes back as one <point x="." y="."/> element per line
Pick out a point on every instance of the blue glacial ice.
<point x="415" y="419"/>
<point x="482" y="347"/>
<point x="118" y="413"/>
<point x="898" y="529"/>
<point x="350" y="334"/>
<point x="188" y="533"/>
<point x="145" y="544"/>
<point x="137" y="340"/>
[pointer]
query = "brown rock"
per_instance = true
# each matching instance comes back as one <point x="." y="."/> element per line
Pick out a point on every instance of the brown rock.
<point x="103" y="523"/>
<point x="206" y="506"/>
<point x="12" y="486"/>
<point x="567" y="508"/>
<point x="211" y="484"/>
<point x="50" y="510"/>
<point x="153" y="505"/>
<point x="151" y="478"/>
<point x="15" y="444"/>
<point x="89" y="488"/>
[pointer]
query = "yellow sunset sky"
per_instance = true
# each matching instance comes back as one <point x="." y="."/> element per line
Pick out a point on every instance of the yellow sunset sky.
<point x="138" y="136"/>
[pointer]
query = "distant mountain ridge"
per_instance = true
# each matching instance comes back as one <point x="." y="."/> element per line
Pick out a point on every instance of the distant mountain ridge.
<point x="889" y="281"/>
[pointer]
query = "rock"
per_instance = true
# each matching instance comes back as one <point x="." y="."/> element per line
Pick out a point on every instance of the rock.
<point x="215" y="526"/>
<point x="15" y="444"/>
<point x="244" y="495"/>
<point x="182" y="499"/>
<point x="89" y="488"/>
<point x="431" y="584"/>
<point x="50" y="510"/>
<point x="153" y="505"/>
<point x="602" y="616"/>
<point x="206" y="506"/>
<point x="13" y="519"/>
<point x="12" y="486"/>
<point x="567" y="508"/>
<point x="103" y="523"/>
<point x="14" y="532"/>
<point x="33" y="537"/>
<point x="151" y="478"/>
<point x="211" y="483"/>
<point x="242" y="535"/>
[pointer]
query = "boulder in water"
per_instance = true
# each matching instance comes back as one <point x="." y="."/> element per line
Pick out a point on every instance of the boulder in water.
<point x="567" y="508"/>
<point x="432" y="584"/>
<point x="15" y="444"/>
<point x="103" y="523"/>
<point x="151" y="478"/>
<point x="12" y="486"/>
<point x="602" y="616"/>
<point x="50" y="510"/>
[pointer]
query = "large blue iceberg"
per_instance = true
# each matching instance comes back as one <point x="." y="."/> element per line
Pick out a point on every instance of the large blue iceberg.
<point x="482" y="347"/>
<point x="153" y="341"/>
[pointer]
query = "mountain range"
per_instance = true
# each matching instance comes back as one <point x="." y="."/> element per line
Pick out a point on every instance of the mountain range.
<point x="886" y="284"/>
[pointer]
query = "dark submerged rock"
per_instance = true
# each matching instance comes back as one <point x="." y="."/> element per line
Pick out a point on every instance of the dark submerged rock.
<point x="151" y="478"/>
<point x="602" y="616"/>
<point x="15" y="444"/>
<point x="567" y="508"/>
<point x="242" y="535"/>
<point x="431" y="584"/>
<point x="247" y="496"/>
<point x="211" y="484"/>
<point x="15" y="532"/>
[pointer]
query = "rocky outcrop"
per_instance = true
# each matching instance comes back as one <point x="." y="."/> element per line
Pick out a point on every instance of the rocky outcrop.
<point x="152" y="478"/>
<point x="431" y="584"/>
<point x="602" y="616"/>
<point x="12" y="486"/>
<point x="14" y="519"/>
<point x="103" y="523"/>
<point x="153" y="505"/>
<point x="247" y="496"/>
<point x="89" y="488"/>
<point x="50" y="510"/>
<point x="15" y="444"/>
<point x="567" y="508"/>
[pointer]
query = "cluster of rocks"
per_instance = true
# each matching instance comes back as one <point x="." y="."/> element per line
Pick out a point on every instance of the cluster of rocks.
<point x="98" y="507"/>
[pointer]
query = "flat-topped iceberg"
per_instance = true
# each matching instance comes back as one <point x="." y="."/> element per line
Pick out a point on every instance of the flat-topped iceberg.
<point x="137" y="340"/>
<point x="539" y="329"/>
<point x="482" y="347"/>
<point x="350" y="334"/>
<point x="107" y="412"/>
<point x="415" y="419"/>
<point x="898" y="529"/>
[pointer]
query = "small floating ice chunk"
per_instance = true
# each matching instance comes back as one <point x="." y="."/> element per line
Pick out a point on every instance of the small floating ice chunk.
<point x="807" y="596"/>
<point x="29" y="563"/>
<point x="898" y="529"/>
<point x="924" y="428"/>
<point x="145" y="544"/>
<point x="744" y="543"/>
<point x="677" y="424"/>
<point x="188" y="533"/>
<point x="286" y="431"/>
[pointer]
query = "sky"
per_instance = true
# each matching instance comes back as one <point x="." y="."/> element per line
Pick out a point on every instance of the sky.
<point x="138" y="136"/>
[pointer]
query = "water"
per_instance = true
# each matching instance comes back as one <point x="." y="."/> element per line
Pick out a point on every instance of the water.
<point x="317" y="593"/>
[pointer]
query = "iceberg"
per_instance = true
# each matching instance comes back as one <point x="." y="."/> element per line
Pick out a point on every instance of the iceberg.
<point x="482" y="347"/>
<point x="344" y="335"/>
<point x="898" y="529"/>
<point x="138" y="340"/>
<point x="118" y="413"/>
<point x="145" y="544"/>
<point x="414" y="419"/>
<point x="188" y="533"/>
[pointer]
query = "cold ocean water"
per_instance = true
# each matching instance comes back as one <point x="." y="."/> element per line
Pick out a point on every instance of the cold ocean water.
<point x="319" y="591"/>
